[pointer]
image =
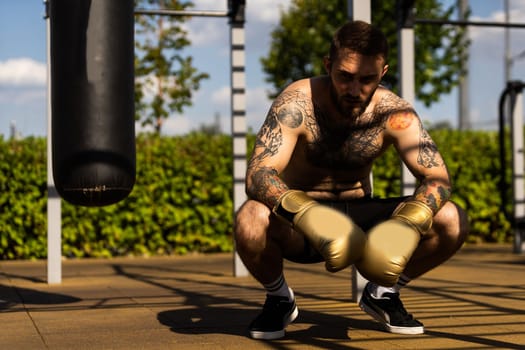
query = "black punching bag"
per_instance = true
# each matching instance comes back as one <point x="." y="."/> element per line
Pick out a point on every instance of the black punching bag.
<point x="92" y="100"/>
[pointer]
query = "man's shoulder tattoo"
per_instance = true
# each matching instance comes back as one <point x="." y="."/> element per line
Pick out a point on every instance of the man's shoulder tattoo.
<point x="291" y="108"/>
<point x="399" y="113"/>
<point x="401" y="121"/>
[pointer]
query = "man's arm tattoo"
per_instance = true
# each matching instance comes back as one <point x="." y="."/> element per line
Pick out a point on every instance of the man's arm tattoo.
<point x="266" y="186"/>
<point x="433" y="194"/>
<point x="291" y="116"/>
<point x="288" y="110"/>
<point x="428" y="153"/>
<point x="268" y="140"/>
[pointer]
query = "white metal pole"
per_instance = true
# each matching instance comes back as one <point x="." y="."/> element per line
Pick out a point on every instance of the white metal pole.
<point x="359" y="10"/>
<point x="238" y="111"/>
<point x="407" y="89"/>
<point x="464" y="88"/>
<point x="54" y="219"/>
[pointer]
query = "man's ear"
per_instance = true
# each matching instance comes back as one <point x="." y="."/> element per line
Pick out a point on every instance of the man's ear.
<point x="327" y="64"/>
<point x="385" y="69"/>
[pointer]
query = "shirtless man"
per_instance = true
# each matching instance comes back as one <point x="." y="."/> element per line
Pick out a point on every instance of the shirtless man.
<point x="316" y="148"/>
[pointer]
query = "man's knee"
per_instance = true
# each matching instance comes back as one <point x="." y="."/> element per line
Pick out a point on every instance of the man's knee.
<point x="451" y="224"/>
<point x="252" y="213"/>
<point x="251" y="224"/>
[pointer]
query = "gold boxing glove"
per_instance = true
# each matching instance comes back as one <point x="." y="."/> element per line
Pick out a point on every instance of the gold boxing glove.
<point x="390" y="244"/>
<point x="333" y="234"/>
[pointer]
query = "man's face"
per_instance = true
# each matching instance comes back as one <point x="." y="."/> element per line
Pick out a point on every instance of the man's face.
<point x="355" y="78"/>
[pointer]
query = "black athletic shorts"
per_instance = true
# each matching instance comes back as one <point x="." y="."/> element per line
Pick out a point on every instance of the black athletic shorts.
<point x="365" y="212"/>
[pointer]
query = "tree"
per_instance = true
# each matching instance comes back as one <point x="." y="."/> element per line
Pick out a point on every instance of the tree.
<point x="165" y="79"/>
<point x="302" y="39"/>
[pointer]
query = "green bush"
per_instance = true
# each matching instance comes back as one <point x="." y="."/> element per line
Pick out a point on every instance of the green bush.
<point x="23" y="198"/>
<point x="180" y="203"/>
<point x="473" y="161"/>
<point x="182" y="200"/>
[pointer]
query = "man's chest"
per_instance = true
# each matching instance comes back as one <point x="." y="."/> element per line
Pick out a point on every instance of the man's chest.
<point x="345" y="148"/>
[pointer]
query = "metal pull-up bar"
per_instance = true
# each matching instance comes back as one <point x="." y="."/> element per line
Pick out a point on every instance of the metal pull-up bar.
<point x="468" y="23"/>
<point x="188" y="13"/>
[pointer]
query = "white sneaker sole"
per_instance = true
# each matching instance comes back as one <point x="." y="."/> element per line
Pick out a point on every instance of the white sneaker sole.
<point x="387" y="326"/>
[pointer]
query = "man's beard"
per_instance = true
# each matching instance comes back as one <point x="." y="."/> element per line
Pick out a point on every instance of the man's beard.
<point x="349" y="106"/>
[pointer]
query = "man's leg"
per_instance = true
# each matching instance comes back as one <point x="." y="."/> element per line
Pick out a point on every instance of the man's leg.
<point x="260" y="238"/>
<point x="448" y="233"/>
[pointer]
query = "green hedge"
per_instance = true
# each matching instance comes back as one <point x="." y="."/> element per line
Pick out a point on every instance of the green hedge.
<point x="182" y="201"/>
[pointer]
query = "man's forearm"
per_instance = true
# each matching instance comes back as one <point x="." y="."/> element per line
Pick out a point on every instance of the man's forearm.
<point x="265" y="185"/>
<point x="433" y="193"/>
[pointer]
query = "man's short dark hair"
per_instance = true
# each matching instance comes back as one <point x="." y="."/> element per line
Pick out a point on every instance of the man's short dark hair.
<point x="360" y="37"/>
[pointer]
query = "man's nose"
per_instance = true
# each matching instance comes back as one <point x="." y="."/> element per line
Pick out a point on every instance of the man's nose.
<point x="354" y="88"/>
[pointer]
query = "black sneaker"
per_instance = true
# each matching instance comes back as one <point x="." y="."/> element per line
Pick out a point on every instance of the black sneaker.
<point x="389" y="311"/>
<point x="277" y="313"/>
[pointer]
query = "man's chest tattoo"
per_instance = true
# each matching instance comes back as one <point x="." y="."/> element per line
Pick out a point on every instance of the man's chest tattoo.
<point x="344" y="147"/>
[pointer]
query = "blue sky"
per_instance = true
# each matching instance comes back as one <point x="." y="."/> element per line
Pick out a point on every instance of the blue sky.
<point x="23" y="66"/>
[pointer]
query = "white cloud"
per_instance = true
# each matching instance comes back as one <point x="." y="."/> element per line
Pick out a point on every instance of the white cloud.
<point x="203" y="32"/>
<point x="257" y="104"/>
<point x="22" y="72"/>
<point x="221" y="97"/>
<point x="256" y="11"/>
<point x="258" y="98"/>
<point x="209" y="5"/>
<point x="257" y="107"/>
<point x="261" y="16"/>
<point x="177" y="125"/>
<point x="174" y="125"/>
<point x="266" y="11"/>
<point x="488" y="42"/>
